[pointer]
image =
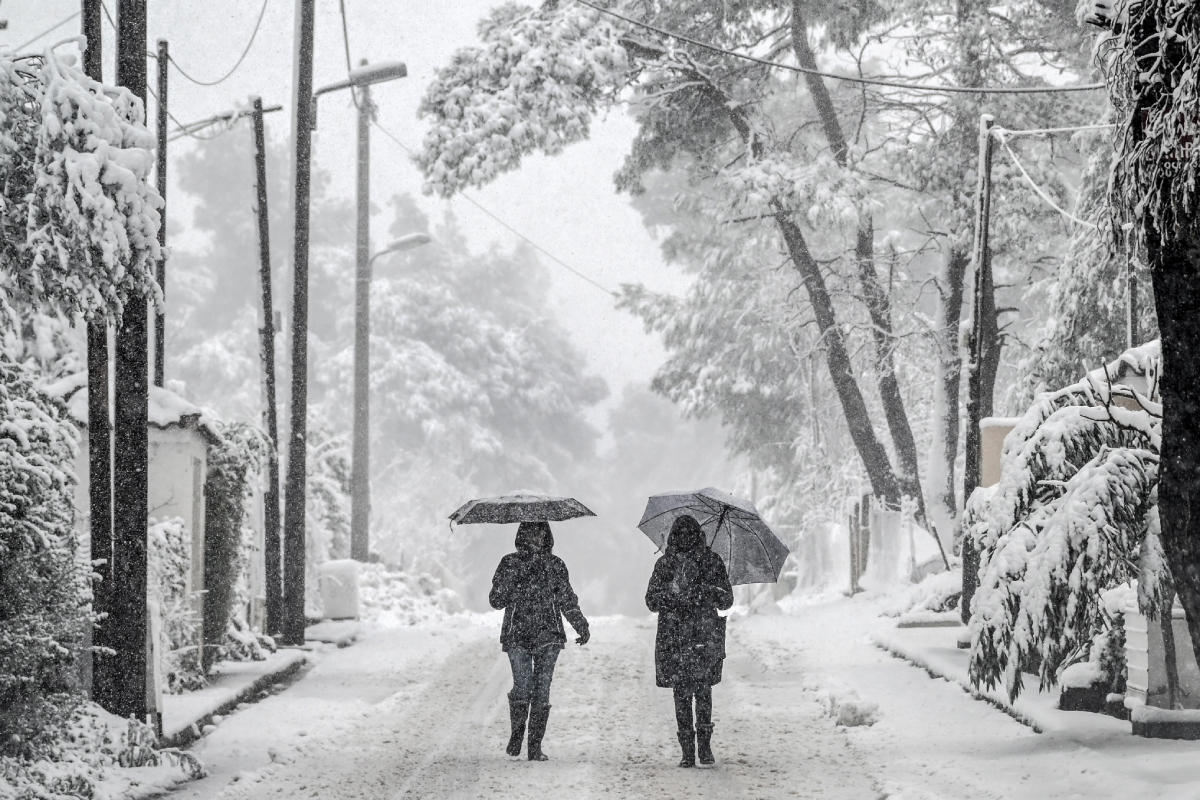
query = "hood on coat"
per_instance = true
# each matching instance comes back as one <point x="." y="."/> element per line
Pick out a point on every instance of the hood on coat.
<point x="535" y="537"/>
<point x="686" y="535"/>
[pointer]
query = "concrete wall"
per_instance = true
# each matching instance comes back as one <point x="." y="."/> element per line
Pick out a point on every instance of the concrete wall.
<point x="1146" y="660"/>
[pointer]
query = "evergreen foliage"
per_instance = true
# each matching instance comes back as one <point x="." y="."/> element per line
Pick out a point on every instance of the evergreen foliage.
<point x="173" y="606"/>
<point x="1074" y="515"/>
<point x="233" y="464"/>
<point x="43" y="583"/>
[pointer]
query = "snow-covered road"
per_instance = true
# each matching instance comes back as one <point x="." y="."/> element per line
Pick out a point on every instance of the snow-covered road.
<point x="420" y="712"/>
<point x="611" y="734"/>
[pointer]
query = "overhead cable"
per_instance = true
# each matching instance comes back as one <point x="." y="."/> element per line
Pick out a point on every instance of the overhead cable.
<point x="505" y="225"/>
<point x="1001" y="137"/>
<point x="892" y="84"/>
<point x="261" y="12"/>
<point x="51" y="29"/>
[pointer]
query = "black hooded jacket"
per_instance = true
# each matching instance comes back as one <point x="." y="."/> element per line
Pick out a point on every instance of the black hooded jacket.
<point x="689" y="585"/>
<point x="534" y="589"/>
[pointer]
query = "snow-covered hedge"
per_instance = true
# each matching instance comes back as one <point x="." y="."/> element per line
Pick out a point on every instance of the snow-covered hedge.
<point x="43" y="585"/>
<point x="1074" y="514"/>
<point x="169" y="563"/>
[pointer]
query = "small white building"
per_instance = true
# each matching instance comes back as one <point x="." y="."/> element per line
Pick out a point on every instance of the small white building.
<point x="179" y="435"/>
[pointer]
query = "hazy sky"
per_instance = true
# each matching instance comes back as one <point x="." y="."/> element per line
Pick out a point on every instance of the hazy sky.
<point x="565" y="204"/>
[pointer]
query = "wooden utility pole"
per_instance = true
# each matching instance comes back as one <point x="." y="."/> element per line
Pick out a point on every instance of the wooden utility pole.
<point x="983" y="323"/>
<point x="293" y="519"/>
<point x="131" y="401"/>
<point x="360" y="453"/>
<point x="99" y="431"/>
<point x="1131" y="301"/>
<point x="160" y="326"/>
<point x="271" y="548"/>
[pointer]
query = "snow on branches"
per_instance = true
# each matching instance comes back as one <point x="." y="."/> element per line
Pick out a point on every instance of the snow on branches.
<point x="79" y="218"/>
<point x="534" y="85"/>
<point x="1151" y="62"/>
<point x="1073" y="515"/>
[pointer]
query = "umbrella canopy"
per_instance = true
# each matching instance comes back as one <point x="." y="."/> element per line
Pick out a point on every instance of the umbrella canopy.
<point x="732" y="527"/>
<point x="521" y="507"/>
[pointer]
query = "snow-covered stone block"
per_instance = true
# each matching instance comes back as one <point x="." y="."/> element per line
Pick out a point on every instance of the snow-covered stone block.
<point x="339" y="588"/>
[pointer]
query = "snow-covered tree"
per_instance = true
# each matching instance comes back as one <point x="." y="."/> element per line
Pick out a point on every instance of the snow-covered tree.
<point x="1074" y="514"/>
<point x="1152" y="58"/>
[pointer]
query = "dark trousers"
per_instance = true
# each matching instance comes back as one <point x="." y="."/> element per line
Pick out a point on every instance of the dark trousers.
<point x="683" y="707"/>
<point x="532" y="672"/>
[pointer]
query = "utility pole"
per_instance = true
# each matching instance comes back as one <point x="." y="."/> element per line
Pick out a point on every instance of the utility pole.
<point x="128" y="620"/>
<point x="160" y="321"/>
<point x="982" y="343"/>
<point x="360" y="469"/>
<point x="99" y="434"/>
<point x="271" y="548"/>
<point x="293" y="520"/>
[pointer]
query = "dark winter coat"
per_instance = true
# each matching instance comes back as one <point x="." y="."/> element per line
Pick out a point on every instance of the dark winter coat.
<point x="687" y="589"/>
<point x="534" y="589"/>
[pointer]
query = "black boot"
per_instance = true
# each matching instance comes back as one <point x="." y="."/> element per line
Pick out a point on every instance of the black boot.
<point x="687" y="740"/>
<point x="704" y="744"/>
<point x="518" y="710"/>
<point x="537" y="729"/>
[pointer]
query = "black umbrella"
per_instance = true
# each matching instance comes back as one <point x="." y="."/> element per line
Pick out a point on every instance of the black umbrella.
<point x="732" y="527"/>
<point x="520" y="507"/>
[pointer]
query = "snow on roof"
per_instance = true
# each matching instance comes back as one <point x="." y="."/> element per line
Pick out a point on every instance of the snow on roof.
<point x="166" y="409"/>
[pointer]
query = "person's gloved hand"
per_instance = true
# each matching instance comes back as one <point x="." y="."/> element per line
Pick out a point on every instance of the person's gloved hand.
<point x="583" y="637"/>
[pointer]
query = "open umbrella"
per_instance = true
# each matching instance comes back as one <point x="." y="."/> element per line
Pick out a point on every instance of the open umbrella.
<point x="732" y="527"/>
<point x="520" y="507"/>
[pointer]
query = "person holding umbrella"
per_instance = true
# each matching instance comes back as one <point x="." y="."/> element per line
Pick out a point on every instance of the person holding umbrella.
<point x="534" y="589"/>
<point x="687" y="588"/>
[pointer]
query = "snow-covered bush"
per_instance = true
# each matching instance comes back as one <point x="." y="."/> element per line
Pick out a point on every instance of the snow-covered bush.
<point x="78" y="217"/>
<point x="1074" y="514"/>
<point x="169" y="563"/>
<point x="43" y="585"/>
<point x="94" y="749"/>
<point x="392" y="597"/>
<point x="327" y="510"/>
<point x="233" y="464"/>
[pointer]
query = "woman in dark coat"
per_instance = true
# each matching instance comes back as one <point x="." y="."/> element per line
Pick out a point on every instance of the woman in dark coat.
<point x="533" y="588"/>
<point x="688" y="587"/>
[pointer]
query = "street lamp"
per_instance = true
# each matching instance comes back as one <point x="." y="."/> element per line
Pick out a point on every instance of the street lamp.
<point x="361" y="79"/>
<point x="360" y="453"/>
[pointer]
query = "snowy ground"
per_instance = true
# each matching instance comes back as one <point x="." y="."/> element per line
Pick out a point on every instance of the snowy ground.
<point x="420" y="712"/>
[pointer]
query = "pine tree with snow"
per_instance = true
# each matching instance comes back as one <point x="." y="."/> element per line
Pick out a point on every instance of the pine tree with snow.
<point x="1074" y="514"/>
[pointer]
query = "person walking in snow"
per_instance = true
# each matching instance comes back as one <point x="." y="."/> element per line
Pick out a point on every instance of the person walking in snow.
<point x="533" y="588"/>
<point x="687" y="588"/>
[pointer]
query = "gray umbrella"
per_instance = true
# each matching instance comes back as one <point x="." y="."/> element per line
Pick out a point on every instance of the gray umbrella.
<point x="732" y="527"/>
<point x="520" y="507"/>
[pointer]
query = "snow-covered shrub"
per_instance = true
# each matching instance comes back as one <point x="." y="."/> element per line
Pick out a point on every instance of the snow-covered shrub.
<point x="393" y="597"/>
<point x="93" y="749"/>
<point x="1073" y="515"/>
<point x="327" y="512"/>
<point x="78" y="217"/>
<point x="44" y="587"/>
<point x="937" y="592"/>
<point x="169" y="563"/>
<point x="233" y="464"/>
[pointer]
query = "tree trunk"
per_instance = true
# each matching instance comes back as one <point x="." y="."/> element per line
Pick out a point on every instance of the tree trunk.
<point x="1175" y="270"/>
<point x="874" y="457"/>
<point x="874" y="296"/>
<point x="946" y="387"/>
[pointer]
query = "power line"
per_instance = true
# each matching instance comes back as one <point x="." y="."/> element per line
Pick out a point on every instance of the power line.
<point x="1000" y="134"/>
<point x="51" y="29"/>
<point x="262" y="11"/>
<point x="505" y="225"/>
<point x="920" y="87"/>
